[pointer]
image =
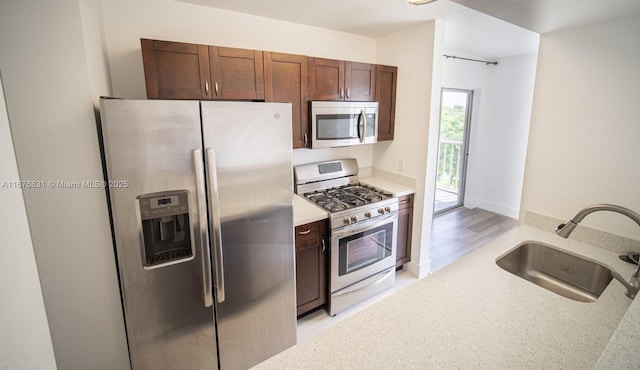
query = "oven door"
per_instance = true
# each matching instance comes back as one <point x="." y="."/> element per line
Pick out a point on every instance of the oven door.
<point x="362" y="250"/>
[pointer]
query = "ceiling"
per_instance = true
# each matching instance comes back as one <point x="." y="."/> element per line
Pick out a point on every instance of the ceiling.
<point x="477" y="35"/>
<point x="375" y="18"/>
<point x="543" y="16"/>
<point x="470" y="24"/>
<point x="370" y="18"/>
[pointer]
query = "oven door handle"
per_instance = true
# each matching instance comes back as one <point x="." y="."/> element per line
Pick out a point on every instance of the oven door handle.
<point x="348" y="230"/>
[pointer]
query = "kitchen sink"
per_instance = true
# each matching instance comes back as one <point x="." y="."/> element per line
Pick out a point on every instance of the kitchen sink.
<point x="566" y="274"/>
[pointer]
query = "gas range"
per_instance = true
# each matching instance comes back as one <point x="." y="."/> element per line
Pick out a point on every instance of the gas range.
<point x="334" y="186"/>
<point x="363" y="232"/>
<point x="353" y="203"/>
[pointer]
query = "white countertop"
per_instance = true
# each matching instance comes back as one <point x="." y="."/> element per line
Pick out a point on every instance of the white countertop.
<point x="305" y="211"/>
<point x="396" y="189"/>
<point x="474" y="315"/>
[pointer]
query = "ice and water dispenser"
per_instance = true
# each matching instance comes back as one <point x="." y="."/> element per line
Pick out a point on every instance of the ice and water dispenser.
<point x="166" y="231"/>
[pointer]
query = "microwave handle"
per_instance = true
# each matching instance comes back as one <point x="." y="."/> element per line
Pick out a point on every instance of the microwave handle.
<point x="362" y="115"/>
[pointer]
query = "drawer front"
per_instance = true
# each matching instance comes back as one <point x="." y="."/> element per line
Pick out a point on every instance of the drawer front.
<point x="405" y="201"/>
<point x="309" y="231"/>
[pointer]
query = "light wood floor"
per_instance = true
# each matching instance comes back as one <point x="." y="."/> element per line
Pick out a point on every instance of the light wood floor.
<point x="456" y="233"/>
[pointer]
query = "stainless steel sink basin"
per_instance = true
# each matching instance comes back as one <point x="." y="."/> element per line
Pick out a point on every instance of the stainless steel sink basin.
<point x="560" y="272"/>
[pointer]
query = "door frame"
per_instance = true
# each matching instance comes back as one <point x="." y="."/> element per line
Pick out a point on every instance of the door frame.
<point x="465" y="148"/>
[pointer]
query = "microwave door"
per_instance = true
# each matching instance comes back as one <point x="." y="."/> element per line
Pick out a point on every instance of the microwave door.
<point x="335" y="129"/>
<point x="336" y="124"/>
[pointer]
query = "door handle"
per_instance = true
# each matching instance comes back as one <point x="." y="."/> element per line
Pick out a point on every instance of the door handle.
<point x="203" y="234"/>
<point x="214" y="223"/>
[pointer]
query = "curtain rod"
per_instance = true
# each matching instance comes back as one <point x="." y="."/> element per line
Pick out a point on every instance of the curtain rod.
<point x="472" y="60"/>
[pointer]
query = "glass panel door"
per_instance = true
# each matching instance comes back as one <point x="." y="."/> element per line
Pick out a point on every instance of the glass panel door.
<point x="363" y="249"/>
<point x="455" y="116"/>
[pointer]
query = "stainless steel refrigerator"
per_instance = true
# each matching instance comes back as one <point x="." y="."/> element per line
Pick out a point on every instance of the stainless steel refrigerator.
<point x="201" y="198"/>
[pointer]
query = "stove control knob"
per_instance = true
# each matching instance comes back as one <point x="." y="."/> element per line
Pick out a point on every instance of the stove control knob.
<point x="367" y="214"/>
<point x="354" y="219"/>
<point x="387" y="209"/>
<point x="381" y="211"/>
<point x="346" y="221"/>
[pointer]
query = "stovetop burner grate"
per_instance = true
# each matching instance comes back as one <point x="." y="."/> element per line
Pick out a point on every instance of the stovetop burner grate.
<point x="346" y="197"/>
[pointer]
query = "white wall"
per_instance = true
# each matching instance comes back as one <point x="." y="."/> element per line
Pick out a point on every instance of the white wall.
<point x="584" y="135"/>
<point x="126" y="21"/>
<point x="500" y="118"/>
<point x="502" y="137"/>
<point x="460" y="74"/>
<point x="416" y="51"/>
<point x="49" y="101"/>
<point x="25" y="342"/>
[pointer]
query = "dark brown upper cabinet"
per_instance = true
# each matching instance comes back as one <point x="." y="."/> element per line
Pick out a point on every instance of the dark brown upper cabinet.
<point x="339" y="80"/>
<point x="175" y="70"/>
<point x="386" y="81"/>
<point x="285" y="80"/>
<point x="236" y="73"/>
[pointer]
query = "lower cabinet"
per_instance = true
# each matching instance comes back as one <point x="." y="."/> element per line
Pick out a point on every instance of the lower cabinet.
<point x="312" y="249"/>
<point x="405" y="220"/>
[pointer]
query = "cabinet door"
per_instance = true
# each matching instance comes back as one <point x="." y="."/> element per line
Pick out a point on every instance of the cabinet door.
<point x="405" y="221"/>
<point x="285" y="77"/>
<point x="236" y="73"/>
<point x="311" y="266"/>
<point x="360" y="81"/>
<point x="175" y="70"/>
<point x="386" y="81"/>
<point x="326" y="79"/>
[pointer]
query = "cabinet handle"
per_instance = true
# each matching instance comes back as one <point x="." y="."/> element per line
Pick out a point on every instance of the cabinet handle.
<point x="404" y="201"/>
<point x="304" y="232"/>
<point x="341" y="93"/>
<point x="306" y="140"/>
<point x="348" y="93"/>
<point x="324" y="247"/>
<point x="217" y="90"/>
<point x="206" y="88"/>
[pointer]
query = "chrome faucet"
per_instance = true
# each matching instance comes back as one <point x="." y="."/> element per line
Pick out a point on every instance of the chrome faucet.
<point x="565" y="229"/>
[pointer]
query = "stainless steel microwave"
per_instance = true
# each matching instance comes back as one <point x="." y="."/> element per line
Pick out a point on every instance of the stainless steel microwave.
<point x="341" y="123"/>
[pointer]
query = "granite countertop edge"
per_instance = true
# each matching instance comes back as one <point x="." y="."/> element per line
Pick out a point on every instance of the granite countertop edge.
<point x="569" y="333"/>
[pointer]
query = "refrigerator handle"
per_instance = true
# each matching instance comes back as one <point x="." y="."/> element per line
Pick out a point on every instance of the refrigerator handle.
<point x="203" y="234"/>
<point x="216" y="230"/>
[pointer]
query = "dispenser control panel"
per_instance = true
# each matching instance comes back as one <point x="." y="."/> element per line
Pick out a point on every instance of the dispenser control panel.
<point x="166" y="228"/>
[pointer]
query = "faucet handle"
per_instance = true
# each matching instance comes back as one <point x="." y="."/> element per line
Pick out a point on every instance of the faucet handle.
<point x="565" y="229"/>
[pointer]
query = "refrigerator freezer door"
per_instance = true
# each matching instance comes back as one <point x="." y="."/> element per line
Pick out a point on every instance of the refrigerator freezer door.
<point x="252" y="146"/>
<point x="154" y="146"/>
